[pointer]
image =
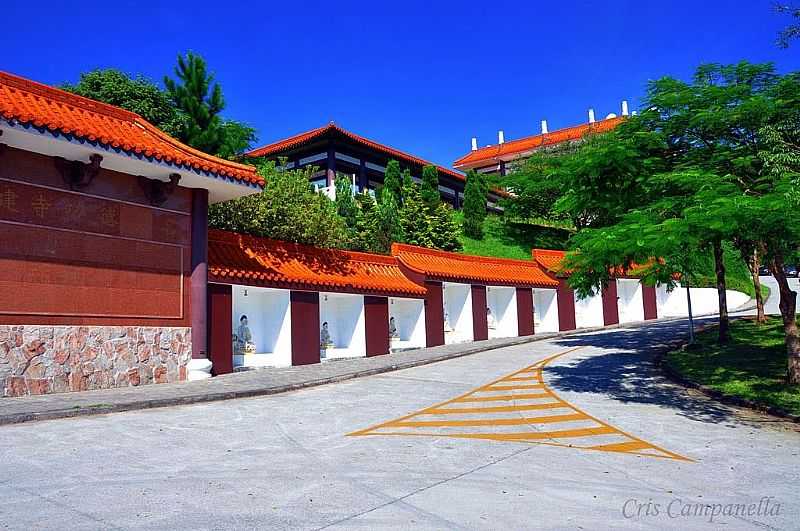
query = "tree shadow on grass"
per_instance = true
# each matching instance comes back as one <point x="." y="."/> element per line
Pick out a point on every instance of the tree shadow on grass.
<point x="627" y="371"/>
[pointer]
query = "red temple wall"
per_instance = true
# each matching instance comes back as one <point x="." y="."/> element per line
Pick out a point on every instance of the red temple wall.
<point x="96" y="283"/>
<point x="101" y="256"/>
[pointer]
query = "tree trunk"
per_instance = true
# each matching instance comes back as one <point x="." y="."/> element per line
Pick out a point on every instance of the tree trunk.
<point x="724" y="322"/>
<point x="753" y="264"/>
<point x="788" y="307"/>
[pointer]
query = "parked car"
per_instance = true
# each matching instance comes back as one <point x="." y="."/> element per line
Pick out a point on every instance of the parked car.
<point x="764" y="271"/>
<point x="790" y="271"/>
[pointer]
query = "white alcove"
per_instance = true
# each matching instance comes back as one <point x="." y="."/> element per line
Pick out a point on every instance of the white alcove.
<point x="502" y="302"/>
<point x="458" y="312"/>
<point x="344" y="314"/>
<point x="545" y="311"/>
<point x="629" y="300"/>
<point x="704" y="301"/>
<point x="269" y="319"/>
<point x="589" y="311"/>
<point x="409" y="319"/>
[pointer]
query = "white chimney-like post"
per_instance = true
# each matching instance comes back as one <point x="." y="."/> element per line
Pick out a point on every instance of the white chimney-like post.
<point x="500" y="137"/>
<point x="544" y="127"/>
<point x="591" y="116"/>
<point x="624" y="107"/>
<point x="474" y="144"/>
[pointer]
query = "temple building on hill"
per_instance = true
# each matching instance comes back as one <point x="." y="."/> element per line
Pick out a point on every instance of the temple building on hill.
<point x="103" y="238"/>
<point x="500" y="158"/>
<point x="334" y="150"/>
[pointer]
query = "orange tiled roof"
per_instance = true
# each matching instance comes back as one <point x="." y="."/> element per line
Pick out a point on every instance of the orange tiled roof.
<point x="58" y="111"/>
<point x="524" y="146"/>
<point x="243" y="259"/>
<point x="456" y="267"/>
<point x="549" y="259"/>
<point x="297" y="140"/>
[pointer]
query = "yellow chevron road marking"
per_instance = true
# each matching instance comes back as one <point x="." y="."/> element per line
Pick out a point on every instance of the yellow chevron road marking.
<point x="442" y="418"/>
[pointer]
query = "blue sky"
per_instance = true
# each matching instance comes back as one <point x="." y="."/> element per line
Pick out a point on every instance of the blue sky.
<point x="423" y="77"/>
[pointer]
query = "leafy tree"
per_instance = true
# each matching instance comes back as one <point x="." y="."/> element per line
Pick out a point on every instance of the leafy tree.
<point x="474" y="205"/>
<point x="237" y="138"/>
<point x="590" y="184"/>
<point x="792" y="31"/>
<point x="727" y="176"/>
<point x="392" y="181"/>
<point x="136" y="94"/>
<point x="429" y="188"/>
<point x="288" y="209"/>
<point x="200" y="101"/>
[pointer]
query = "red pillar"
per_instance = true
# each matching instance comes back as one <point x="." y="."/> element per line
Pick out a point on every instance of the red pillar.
<point x="376" y="321"/>
<point x="525" y="311"/>
<point x="220" y="328"/>
<point x="199" y="274"/>
<point x="305" y="327"/>
<point x="610" y="304"/>
<point x="649" y="302"/>
<point x="480" y="327"/>
<point x="566" y="306"/>
<point x="434" y="314"/>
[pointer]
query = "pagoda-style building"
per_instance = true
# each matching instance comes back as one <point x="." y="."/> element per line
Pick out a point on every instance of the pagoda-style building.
<point x="334" y="150"/>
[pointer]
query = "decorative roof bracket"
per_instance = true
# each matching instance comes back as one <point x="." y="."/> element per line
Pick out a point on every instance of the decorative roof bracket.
<point x="76" y="174"/>
<point x="157" y="192"/>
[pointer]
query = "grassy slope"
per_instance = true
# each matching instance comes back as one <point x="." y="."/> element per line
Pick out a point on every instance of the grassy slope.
<point x="752" y="366"/>
<point x="517" y="241"/>
<point x="512" y="242"/>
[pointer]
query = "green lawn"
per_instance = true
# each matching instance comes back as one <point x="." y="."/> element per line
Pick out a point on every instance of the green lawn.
<point x="752" y="366"/>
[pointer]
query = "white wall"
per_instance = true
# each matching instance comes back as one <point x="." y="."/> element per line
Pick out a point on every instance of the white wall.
<point x="409" y="318"/>
<point x="458" y="307"/>
<point x="704" y="301"/>
<point x="344" y="314"/>
<point x="589" y="311"/>
<point x="502" y="301"/>
<point x="629" y="300"/>
<point x="270" y="324"/>
<point x="545" y="310"/>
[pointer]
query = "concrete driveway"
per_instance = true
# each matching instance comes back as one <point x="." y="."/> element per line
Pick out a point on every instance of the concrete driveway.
<point x="771" y="304"/>
<point x="667" y="458"/>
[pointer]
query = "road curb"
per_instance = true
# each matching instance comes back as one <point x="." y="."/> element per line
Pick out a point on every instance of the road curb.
<point x="216" y="396"/>
<point x="102" y="409"/>
<point x="676" y="377"/>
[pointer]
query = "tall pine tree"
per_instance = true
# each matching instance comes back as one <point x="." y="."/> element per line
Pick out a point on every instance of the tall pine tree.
<point x="429" y="189"/>
<point x="474" y="205"/>
<point x="199" y="102"/>
<point x="392" y="181"/>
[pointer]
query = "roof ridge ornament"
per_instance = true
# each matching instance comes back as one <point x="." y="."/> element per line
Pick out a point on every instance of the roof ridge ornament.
<point x="78" y="175"/>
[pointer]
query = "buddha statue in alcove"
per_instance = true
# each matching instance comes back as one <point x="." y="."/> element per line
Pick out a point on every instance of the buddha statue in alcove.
<point x="325" y="341"/>
<point x="244" y="338"/>
<point x="490" y="320"/>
